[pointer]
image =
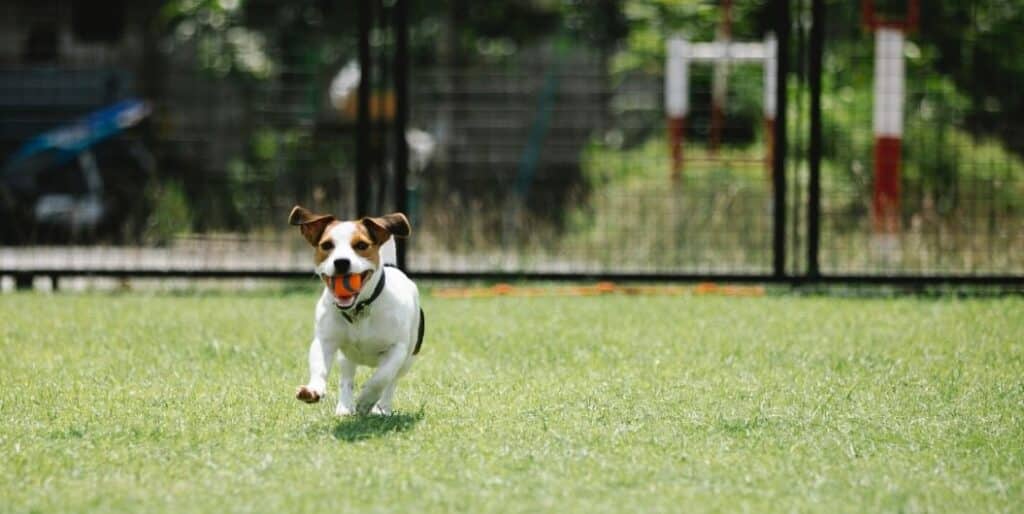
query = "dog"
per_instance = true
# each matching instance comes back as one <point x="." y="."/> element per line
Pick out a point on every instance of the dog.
<point x="369" y="312"/>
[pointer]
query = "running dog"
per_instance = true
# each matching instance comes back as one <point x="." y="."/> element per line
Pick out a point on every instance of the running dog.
<point x="369" y="309"/>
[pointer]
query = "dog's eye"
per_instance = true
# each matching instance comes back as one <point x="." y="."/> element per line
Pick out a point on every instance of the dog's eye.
<point x="361" y="246"/>
<point x="326" y="246"/>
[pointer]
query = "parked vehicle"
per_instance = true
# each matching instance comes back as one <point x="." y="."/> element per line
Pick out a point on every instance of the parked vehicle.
<point x="78" y="182"/>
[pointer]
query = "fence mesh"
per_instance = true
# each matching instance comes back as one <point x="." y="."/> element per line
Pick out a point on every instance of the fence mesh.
<point x="543" y="150"/>
<point x="960" y="176"/>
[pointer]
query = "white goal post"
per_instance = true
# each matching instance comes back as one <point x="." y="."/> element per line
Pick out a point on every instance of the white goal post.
<point x="681" y="53"/>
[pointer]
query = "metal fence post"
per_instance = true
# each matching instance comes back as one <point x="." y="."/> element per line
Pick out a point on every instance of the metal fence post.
<point x="400" y="26"/>
<point x="817" y="49"/>
<point x="365" y="25"/>
<point x="779" y="157"/>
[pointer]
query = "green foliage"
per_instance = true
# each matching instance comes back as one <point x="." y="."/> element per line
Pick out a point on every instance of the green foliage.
<point x="945" y="147"/>
<point x="975" y="42"/>
<point x="652" y="22"/>
<point x="171" y="215"/>
<point x="712" y="219"/>
<point x="948" y="160"/>
<point x="290" y="158"/>
<point x="223" y="44"/>
<point x="962" y="200"/>
<point x="939" y="154"/>
<point x="650" y="404"/>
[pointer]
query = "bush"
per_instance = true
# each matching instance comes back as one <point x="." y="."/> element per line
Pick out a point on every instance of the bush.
<point x="171" y="215"/>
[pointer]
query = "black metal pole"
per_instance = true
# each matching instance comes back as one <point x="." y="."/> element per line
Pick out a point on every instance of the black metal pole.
<point x="400" y="23"/>
<point x="779" y="161"/>
<point x="365" y="24"/>
<point x="379" y="143"/>
<point x="817" y="50"/>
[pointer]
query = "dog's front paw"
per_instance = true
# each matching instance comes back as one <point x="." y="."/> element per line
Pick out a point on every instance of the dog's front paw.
<point x="377" y="410"/>
<point x="308" y="394"/>
<point x="343" y="410"/>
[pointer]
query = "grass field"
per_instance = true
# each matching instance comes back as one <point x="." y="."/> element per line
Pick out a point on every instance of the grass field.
<point x="181" y="403"/>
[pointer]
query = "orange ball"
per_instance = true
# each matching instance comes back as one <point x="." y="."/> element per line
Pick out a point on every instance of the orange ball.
<point x="348" y="285"/>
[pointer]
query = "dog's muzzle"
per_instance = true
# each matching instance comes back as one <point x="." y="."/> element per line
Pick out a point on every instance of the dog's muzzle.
<point x="346" y="287"/>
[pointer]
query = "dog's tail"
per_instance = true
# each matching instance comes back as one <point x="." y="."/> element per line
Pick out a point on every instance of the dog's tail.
<point x="388" y="253"/>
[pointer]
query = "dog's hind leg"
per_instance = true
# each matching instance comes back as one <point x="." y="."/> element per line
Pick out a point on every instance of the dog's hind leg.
<point x="385" y="375"/>
<point x="383" y="406"/>
<point x="346" y="400"/>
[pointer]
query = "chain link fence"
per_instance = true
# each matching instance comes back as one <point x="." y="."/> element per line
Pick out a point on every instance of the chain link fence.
<point x="172" y="138"/>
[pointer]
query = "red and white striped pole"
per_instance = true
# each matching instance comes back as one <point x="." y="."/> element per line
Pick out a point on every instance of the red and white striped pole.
<point x="890" y="77"/>
<point x="770" y="75"/>
<point x="677" y="100"/>
<point x="888" y="128"/>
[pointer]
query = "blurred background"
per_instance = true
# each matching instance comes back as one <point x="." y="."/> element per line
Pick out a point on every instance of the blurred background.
<point x="523" y="138"/>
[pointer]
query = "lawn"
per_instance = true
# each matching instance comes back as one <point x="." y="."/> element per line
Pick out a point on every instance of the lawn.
<point x="183" y="403"/>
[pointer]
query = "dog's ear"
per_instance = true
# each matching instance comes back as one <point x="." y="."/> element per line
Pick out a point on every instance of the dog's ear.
<point x="311" y="225"/>
<point x="383" y="227"/>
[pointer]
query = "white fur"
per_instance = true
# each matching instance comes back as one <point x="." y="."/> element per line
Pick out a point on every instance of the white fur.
<point x="383" y="336"/>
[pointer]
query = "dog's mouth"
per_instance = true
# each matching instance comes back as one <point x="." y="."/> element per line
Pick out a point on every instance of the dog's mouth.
<point x="345" y="288"/>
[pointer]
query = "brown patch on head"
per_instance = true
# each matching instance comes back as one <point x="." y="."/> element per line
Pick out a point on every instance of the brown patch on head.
<point x="372" y="232"/>
<point x="364" y="244"/>
<point x="394" y="224"/>
<point x="314" y="228"/>
<point x="326" y="244"/>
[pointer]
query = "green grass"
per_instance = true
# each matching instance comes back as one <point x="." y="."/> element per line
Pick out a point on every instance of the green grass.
<point x="139" y="403"/>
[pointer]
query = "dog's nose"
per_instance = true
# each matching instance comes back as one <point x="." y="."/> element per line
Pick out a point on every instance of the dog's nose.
<point x="341" y="266"/>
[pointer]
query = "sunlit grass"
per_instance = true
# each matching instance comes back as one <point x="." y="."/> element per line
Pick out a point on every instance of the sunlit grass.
<point x="135" y="403"/>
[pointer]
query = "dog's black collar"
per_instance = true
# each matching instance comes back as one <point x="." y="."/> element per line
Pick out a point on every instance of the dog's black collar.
<point x="352" y="315"/>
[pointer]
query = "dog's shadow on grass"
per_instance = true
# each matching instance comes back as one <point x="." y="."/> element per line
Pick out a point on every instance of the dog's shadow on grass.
<point x="361" y="428"/>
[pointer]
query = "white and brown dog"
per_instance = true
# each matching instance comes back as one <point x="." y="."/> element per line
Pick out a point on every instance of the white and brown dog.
<point x="369" y="309"/>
